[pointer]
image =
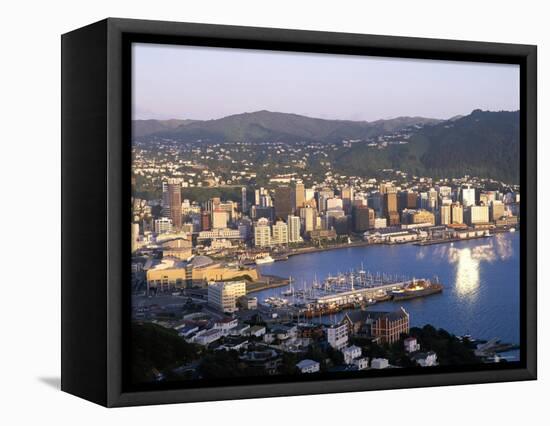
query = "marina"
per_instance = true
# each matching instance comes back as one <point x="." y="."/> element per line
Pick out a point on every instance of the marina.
<point x="354" y="290"/>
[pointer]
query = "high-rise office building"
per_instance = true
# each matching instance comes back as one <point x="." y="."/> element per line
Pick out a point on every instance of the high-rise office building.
<point x="468" y="196"/>
<point x="386" y="187"/>
<point x="163" y="225"/>
<point x="423" y="201"/>
<point x="478" y="214"/>
<point x="457" y="213"/>
<point x="390" y="202"/>
<point x="219" y="219"/>
<point x="309" y="194"/>
<point x="135" y="236"/>
<point x="497" y="210"/>
<point x="341" y="225"/>
<point x="363" y="218"/>
<point x="390" y="207"/>
<point x="347" y="198"/>
<point x="228" y="206"/>
<point x="407" y="200"/>
<point x="283" y="201"/>
<point x="335" y="203"/>
<point x="323" y="195"/>
<point x="165" y="203"/>
<point x="205" y="221"/>
<point x="280" y="233"/>
<point x="299" y="196"/>
<point x="212" y="204"/>
<point x="444" y="191"/>
<point x="174" y="201"/>
<point x="445" y="214"/>
<point x="375" y="201"/>
<point x="262" y="233"/>
<point x="244" y="204"/>
<point x="257" y="212"/>
<point x="294" y="226"/>
<point x="309" y="216"/>
<point x="432" y="200"/>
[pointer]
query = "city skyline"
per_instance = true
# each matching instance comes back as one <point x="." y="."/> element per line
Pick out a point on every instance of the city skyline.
<point x="278" y="245"/>
<point x="203" y="83"/>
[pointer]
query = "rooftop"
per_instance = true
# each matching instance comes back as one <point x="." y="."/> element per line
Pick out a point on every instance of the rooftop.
<point x="201" y="261"/>
<point x="306" y="363"/>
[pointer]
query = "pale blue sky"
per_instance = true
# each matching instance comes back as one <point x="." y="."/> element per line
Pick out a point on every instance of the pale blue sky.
<point x="208" y="83"/>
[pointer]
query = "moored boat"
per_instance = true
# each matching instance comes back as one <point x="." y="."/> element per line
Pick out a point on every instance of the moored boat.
<point x="264" y="260"/>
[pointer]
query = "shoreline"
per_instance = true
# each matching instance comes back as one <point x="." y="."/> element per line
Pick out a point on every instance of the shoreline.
<point x="355" y="244"/>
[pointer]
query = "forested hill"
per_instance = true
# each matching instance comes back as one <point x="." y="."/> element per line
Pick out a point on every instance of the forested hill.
<point x="483" y="143"/>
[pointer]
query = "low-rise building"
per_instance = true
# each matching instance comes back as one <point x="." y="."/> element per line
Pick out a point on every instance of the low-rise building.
<point x="350" y="353"/>
<point x="283" y="331"/>
<point x="389" y="328"/>
<point x="417" y="217"/>
<point x="411" y="345"/>
<point x="308" y="366"/>
<point x="166" y="274"/>
<point x="226" y="324"/>
<point x="239" y="330"/>
<point x="507" y="221"/>
<point x="220" y="234"/>
<point x="386" y="327"/>
<point x="256" y="331"/>
<point x="233" y="344"/>
<point x="380" y="222"/>
<point x="361" y="363"/>
<point x="187" y="330"/>
<point x="248" y="302"/>
<point x="379" y="363"/>
<point x="268" y="359"/>
<point x="208" y="336"/>
<point x="223" y="295"/>
<point x="425" y="359"/>
<point x="337" y="336"/>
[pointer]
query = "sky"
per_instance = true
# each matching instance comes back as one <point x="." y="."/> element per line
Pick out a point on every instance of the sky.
<point x="202" y="83"/>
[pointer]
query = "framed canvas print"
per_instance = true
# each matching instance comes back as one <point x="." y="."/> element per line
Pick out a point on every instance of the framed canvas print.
<point x="253" y="212"/>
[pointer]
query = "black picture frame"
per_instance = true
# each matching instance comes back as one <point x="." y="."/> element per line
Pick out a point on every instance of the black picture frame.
<point x="96" y="120"/>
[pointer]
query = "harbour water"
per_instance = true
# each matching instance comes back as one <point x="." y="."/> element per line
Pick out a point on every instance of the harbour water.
<point x="480" y="278"/>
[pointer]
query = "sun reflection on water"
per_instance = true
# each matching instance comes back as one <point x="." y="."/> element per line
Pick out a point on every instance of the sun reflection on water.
<point x="469" y="259"/>
<point x="467" y="272"/>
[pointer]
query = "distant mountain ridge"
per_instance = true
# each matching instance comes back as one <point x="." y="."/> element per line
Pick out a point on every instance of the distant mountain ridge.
<point x="482" y="143"/>
<point x="149" y="127"/>
<point x="265" y="126"/>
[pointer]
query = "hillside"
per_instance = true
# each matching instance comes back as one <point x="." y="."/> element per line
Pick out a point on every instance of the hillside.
<point x="154" y="347"/>
<point x="267" y="126"/>
<point x="149" y="127"/>
<point x="483" y="143"/>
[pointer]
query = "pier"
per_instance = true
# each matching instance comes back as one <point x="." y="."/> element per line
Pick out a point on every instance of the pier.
<point x="351" y="296"/>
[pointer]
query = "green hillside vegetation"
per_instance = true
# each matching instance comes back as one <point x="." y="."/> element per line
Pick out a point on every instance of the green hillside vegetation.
<point x="481" y="144"/>
<point x="449" y="350"/>
<point x="156" y="347"/>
